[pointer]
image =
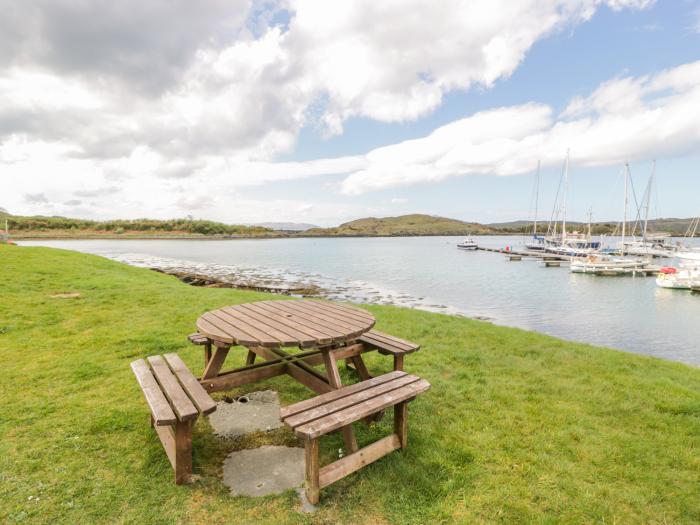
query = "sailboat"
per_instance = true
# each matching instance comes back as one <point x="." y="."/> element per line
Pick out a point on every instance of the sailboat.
<point x="599" y="264"/>
<point x="536" y="243"/>
<point x="689" y="253"/>
<point x="650" y="244"/>
<point x="573" y="244"/>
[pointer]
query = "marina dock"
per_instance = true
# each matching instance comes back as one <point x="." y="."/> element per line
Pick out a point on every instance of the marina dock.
<point x="552" y="260"/>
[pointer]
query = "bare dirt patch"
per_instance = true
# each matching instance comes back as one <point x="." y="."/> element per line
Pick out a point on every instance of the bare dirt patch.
<point x="65" y="295"/>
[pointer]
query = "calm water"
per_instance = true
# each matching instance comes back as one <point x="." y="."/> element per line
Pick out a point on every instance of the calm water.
<point x="629" y="313"/>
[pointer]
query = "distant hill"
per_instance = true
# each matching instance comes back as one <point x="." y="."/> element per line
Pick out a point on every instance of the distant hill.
<point x="63" y="227"/>
<point x="671" y="225"/>
<point x="287" y="226"/>
<point x="405" y="225"/>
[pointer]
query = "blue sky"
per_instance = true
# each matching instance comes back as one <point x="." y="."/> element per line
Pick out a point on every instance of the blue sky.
<point x="556" y="69"/>
<point x="309" y="111"/>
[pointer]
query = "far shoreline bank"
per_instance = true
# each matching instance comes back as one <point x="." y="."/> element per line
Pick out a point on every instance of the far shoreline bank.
<point x="281" y="235"/>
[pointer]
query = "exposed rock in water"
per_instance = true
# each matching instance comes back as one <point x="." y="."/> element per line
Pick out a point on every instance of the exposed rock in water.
<point x="208" y="281"/>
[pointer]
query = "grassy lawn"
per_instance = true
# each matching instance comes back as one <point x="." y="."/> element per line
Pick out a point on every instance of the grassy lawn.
<point x="518" y="427"/>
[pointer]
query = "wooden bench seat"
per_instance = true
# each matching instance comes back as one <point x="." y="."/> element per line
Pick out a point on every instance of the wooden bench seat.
<point x="389" y="345"/>
<point x="198" y="339"/>
<point x="323" y="414"/>
<point x="176" y="400"/>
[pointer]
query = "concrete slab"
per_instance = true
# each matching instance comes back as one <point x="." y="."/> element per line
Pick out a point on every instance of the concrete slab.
<point x="257" y="411"/>
<point x="263" y="471"/>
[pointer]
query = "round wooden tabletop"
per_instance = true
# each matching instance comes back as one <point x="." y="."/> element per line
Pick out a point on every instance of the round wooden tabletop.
<point x="305" y="323"/>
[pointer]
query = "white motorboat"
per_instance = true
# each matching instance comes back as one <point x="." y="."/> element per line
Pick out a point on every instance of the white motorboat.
<point x="689" y="255"/>
<point x="607" y="265"/>
<point x="467" y="244"/>
<point x="649" y="247"/>
<point x="683" y="278"/>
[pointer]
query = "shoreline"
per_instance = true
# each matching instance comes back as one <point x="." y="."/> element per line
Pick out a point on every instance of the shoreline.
<point x="281" y="235"/>
<point x="309" y="290"/>
<point x="290" y="283"/>
<point x="257" y="275"/>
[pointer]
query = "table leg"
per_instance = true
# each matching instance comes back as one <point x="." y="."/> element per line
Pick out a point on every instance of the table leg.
<point x="298" y="369"/>
<point x="360" y="367"/>
<point x="334" y="380"/>
<point x="207" y="353"/>
<point x="250" y="358"/>
<point x="215" y="363"/>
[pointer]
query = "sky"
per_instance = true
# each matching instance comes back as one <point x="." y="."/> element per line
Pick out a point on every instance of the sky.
<point x="247" y="111"/>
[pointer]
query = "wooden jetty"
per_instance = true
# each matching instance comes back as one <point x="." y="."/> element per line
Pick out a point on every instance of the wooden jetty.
<point x="525" y="253"/>
<point x="553" y="260"/>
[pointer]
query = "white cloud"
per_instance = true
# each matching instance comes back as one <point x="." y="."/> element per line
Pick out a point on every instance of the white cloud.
<point x="624" y="119"/>
<point x="208" y="96"/>
<point x="394" y="60"/>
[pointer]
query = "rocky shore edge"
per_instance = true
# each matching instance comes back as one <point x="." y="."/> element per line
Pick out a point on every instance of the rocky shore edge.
<point x="209" y="281"/>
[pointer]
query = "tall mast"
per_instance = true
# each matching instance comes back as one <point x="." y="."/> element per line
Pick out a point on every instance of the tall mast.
<point x="646" y="211"/>
<point x="624" y="212"/>
<point x="590" y="220"/>
<point x="537" y="197"/>
<point x="566" y="196"/>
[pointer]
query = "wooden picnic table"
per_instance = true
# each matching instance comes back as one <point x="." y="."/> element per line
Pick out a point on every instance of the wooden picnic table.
<point x="325" y="332"/>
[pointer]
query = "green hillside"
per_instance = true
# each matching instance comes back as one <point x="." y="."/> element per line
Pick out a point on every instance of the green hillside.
<point x="673" y="226"/>
<point x="64" y="227"/>
<point x="404" y="225"/>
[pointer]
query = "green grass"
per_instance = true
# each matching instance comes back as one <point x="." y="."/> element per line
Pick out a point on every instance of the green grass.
<point x="518" y="427"/>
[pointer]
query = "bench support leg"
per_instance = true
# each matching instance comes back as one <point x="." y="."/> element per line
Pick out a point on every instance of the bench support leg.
<point x="334" y="379"/>
<point x="183" y="452"/>
<point x="401" y="422"/>
<point x="312" y="470"/>
<point x="398" y="362"/>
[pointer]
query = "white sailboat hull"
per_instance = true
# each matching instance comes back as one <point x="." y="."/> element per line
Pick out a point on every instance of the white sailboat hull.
<point x="683" y="279"/>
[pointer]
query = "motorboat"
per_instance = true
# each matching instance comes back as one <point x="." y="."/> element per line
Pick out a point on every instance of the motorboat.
<point x="683" y="278"/>
<point x="607" y="265"/>
<point x="467" y="244"/>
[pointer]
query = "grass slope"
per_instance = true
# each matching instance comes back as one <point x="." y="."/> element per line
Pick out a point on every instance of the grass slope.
<point x="404" y="225"/>
<point x="517" y="428"/>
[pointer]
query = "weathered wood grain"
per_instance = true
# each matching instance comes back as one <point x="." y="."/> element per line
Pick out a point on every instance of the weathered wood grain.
<point x="307" y="404"/>
<point x="204" y="403"/>
<point x="179" y="401"/>
<point x="355" y="461"/>
<point x="160" y="408"/>
<point x="274" y="324"/>
<point x="348" y="415"/>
